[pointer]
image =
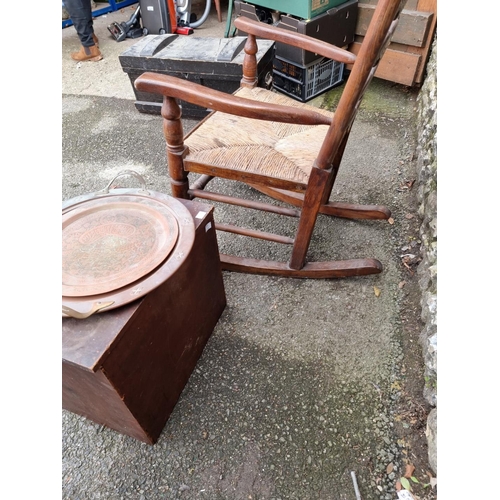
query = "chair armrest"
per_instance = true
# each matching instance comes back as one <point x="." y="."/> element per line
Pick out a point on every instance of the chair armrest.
<point x="194" y="93"/>
<point x="296" y="39"/>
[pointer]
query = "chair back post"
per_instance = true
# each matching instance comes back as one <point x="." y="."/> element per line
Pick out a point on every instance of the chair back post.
<point x="250" y="79"/>
<point x="327" y="163"/>
<point x="377" y="38"/>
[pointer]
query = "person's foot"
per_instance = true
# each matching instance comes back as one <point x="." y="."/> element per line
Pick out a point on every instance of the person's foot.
<point x="96" y="40"/>
<point x="91" y="53"/>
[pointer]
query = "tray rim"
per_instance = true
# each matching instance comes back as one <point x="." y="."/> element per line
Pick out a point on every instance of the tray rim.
<point x="137" y="289"/>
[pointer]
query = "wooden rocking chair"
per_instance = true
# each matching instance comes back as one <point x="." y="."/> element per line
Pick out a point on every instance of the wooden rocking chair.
<point x="286" y="149"/>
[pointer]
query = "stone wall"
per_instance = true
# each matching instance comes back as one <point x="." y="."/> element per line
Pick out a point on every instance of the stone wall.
<point x="427" y="270"/>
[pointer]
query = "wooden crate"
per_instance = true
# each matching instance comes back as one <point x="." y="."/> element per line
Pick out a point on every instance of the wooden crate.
<point x="406" y="57"/>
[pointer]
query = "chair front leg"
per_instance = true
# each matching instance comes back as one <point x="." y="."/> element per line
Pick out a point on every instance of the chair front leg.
<point x="176" y="150"/>
<point x="313" y="198"/>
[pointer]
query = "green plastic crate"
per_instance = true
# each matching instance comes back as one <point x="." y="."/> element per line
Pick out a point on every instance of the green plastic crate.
<point x="305" y="9"/>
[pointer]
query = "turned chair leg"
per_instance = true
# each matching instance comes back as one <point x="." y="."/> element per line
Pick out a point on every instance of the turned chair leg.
<point x="176" y="150"/>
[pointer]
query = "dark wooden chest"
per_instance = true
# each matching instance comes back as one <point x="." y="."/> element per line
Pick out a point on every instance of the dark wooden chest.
<point x="127" y="367"/>
<point x="216" y="63"/>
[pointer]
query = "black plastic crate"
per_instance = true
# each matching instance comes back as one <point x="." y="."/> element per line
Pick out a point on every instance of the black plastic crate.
<point x="305" y="82"/>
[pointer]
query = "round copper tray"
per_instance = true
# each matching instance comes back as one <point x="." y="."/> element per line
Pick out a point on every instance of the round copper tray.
<point x="107" y="245"/>
<point x="119" y="246"/>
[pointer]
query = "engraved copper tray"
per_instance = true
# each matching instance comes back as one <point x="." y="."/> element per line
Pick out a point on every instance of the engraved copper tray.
<point x="110" y="243"/>
<point x="118" y="245"/>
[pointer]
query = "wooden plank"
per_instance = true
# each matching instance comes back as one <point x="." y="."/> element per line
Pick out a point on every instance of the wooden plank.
<point x="412" y="29"/>
<point x="410" y="4"/>
<point x="409" y="48"/>
<point x="396" y="66"/>
<point x="428" y="6"/>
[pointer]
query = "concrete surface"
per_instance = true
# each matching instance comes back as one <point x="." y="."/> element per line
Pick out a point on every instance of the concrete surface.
<point x="108" y="80"/>
<point x="302" y="381"/>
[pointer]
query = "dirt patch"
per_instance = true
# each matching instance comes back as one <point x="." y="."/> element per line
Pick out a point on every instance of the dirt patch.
<point x="412" y="410"/>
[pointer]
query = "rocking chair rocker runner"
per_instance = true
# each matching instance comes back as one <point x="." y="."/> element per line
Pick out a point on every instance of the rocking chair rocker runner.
<point x="285" y="149"/>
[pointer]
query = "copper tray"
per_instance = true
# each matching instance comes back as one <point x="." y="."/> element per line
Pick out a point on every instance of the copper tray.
<point x="110" y="243"/>
<point x="118" y="245"/>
